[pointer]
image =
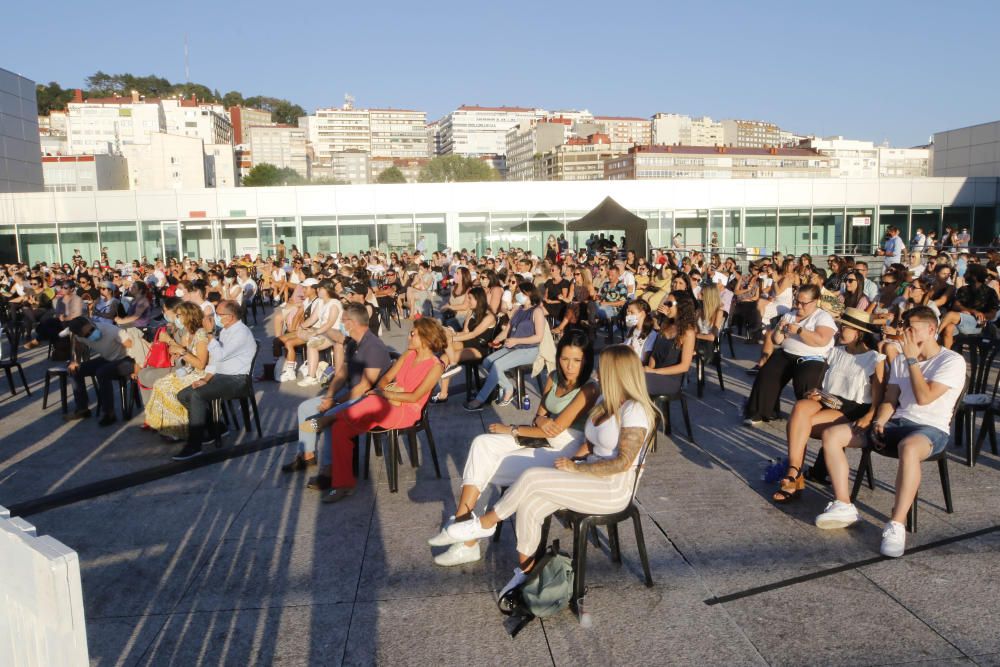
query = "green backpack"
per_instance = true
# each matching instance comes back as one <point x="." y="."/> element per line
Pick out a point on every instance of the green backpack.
<point x="547" y="591"/>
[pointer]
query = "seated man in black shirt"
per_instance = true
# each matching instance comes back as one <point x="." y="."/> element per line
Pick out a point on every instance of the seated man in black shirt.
<point x="975" y="304"/>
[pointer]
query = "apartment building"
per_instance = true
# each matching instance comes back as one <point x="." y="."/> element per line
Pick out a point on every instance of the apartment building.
<point x="410" y="167"/>
<point x="398" y="133"/>
<point x="904" y="162"/>
<point x="166" y="162"/>
<point x="750" y="134"/>
<point x="657" y="162"/>
<point x="671" y="128"/>
<point x="205" y="120"/>
<point x="242" y="118"/>
<point x="851" y="158"/>
<point x="106" y="125"/>
<point x="481" y="131"/>
<point x="579" y="159"/>
<point x="626" y="130"/>
<point x="526" y="140"/>
<point x="283" y="146"/>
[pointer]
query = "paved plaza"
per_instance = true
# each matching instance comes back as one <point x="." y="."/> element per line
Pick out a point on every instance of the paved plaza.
<point x="237" y="563"/>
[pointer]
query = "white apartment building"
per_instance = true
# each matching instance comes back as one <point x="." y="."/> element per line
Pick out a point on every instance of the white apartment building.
<point x="190" y="118"/>
<point x="967" y="151"/>
<point x="671" y="128"/>
<point x="525" y="140"/>
<point x="903" y="162"/>
<point x="85" y="173"/>
<point x="717" y="162"/>
<point x="166" y="162"/>
<point x="280" y="145"/>
<point x="106" y="125"/>
<point x="851" y="158"/>
<point x="220" y="166"/>
<point x="481" y="131"/>
<point x="398" y="133"/>
<point x="626" y="130"/>
<point x="53" y="125"/>
<point x="750" y="134"/>
<point x="339" y="130"/>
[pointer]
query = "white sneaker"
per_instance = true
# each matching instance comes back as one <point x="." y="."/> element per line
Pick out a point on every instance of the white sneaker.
<point x="308" y="381"/>
<point x="463" y="531"/>
<point x="515" y="581"/>
<point x="287" y="376"/>
<point x="443" y="539"/>
<point x="453" y="369"/>
<point x="893" y="539"/>
<point x="459" y="554"/>
<point x="837" y="515"/>
<point x="752" y="423"/>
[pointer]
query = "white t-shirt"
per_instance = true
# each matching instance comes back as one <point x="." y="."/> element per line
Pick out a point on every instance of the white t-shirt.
<point x="849" y="375"/>
<point x="720" y="279"/>
<point x="642" y="346"/>
<point x="604" y="438"/>
<point x="946" y="367"/>
<point x="794" y="345"/>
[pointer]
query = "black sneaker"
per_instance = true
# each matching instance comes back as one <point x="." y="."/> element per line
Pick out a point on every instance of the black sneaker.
<point x="753" y="370"/>
<point x="79" y="414"/>
<point x="319" y="483"/>
<point x="336" y="495"/>
<point x="107" y="420"/>
<point x="189" y="452"/>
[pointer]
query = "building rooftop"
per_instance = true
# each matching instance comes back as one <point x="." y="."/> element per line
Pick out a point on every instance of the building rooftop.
<point x="728" y="150"/>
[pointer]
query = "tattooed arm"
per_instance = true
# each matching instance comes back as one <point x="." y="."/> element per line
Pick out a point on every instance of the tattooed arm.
<point x="629" y="443"/>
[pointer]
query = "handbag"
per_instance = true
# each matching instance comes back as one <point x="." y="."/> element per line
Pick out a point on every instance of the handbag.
<point x="159" y="352"/>
<point x="532" y="443"/>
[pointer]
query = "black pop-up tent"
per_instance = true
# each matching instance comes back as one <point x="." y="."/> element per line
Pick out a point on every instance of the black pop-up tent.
<point x="610" y="215"/>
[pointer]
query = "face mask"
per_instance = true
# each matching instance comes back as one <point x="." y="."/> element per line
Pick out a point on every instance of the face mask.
<point x="180" y="293"/>
<point x="521" y="298"/>
<point x="95" y="335"/>
<point x="342" y="329"/>
<point x="632" y="320"/>
<point x="179" y="324"/>
<point x="214" y="283"/>
<point x="218" y="321"/>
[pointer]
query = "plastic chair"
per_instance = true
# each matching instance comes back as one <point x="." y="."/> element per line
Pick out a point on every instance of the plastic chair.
<point x="222" y="408"/>
<point x="8" y="365"/>
<point x="663" y="404"/>
<point x="582" y="524"/>
<point x="982" y="353"/>
<point x="716" y="360"/>
<point x="61" y="373"/>
<point x="391" y="452"/>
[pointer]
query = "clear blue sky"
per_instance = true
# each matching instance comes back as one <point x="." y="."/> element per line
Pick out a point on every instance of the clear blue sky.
<point x="868" y="70"/>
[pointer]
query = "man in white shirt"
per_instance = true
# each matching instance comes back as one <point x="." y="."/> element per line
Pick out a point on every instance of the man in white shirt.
<point x="893" y="248"/>
<point x="914" y="419"/>
<point x="230" y="357"/>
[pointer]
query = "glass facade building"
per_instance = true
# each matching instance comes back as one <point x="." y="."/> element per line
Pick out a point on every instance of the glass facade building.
<point x="819" y="216"/>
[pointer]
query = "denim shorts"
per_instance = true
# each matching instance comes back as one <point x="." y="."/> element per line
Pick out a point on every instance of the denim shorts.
<point x="968" y="325"/>
<point x="899" y="429"/>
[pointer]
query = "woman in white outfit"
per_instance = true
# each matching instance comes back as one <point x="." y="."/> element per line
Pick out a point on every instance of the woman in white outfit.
<point x="598" y="480"/>
<point x="500" y="456"/>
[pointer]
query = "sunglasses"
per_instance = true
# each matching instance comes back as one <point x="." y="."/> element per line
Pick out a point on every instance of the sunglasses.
<point x="669" y="304"/>
<point x="851" y="280"/>
<point x="887" y="283"/>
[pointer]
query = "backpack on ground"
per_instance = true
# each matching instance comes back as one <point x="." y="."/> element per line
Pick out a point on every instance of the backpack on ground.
<point x="547" y="591"/>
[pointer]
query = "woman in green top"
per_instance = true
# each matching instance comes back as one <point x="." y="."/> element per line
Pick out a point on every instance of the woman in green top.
<point x="500" y="456"/>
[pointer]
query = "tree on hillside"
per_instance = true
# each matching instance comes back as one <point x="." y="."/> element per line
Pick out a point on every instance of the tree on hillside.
<point x="391" y="175"/>
<point x="233" y="98"/>
<point x="52" y="97"/>
<point x="265" y="174"/>
<point x="457" y="169"/>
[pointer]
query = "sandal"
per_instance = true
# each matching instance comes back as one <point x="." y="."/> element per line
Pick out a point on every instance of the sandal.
<point x="438" y="398"/>
<point x="797" y="483"/>
<point x="310" y="426"/>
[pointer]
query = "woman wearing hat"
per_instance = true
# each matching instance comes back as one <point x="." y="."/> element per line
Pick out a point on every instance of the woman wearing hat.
<point x="851" y="391"/>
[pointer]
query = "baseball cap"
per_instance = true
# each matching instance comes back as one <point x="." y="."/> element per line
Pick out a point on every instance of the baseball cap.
<point x="310" y="282"/>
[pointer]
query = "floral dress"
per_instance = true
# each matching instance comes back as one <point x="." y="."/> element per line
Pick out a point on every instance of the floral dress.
<point x="164" y="412"/>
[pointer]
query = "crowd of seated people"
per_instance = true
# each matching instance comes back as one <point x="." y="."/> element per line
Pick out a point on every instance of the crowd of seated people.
<point x="867" y="359"/>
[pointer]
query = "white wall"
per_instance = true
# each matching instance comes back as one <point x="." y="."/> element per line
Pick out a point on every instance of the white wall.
<point x="41" y="619"/>
<point x="20" y="151"/>
<point x="967" y="151"/>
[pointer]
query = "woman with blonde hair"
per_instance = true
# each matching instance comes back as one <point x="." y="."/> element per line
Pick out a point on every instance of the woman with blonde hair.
<point x="709" y="320"/>
<point x="599" y="479"/>
<point x="581" y="292"/>
<point x="189" y="352"/>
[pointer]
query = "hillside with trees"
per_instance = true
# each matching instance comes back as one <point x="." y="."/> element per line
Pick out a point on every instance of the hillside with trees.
<point x="54" y="96"/>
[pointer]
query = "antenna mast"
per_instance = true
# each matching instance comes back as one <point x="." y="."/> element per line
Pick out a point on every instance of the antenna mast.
<point x="187" y="67"/>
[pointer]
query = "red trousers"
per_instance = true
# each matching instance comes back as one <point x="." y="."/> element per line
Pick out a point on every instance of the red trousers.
<point x="368" y="413"/>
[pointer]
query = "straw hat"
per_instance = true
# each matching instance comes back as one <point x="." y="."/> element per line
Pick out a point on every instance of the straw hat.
<point x="857" y="319"/>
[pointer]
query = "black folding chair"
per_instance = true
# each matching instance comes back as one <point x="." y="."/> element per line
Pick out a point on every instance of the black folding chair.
<point x="391" y="451"/>
<point x="14" y="333"/>
<point x="978" y="398"/>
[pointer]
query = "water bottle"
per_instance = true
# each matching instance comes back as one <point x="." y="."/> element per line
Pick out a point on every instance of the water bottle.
<point x="525" y="402"/>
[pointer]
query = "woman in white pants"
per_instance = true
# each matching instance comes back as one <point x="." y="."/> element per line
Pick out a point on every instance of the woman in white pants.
<point x="500" y="456"/>
<point x="598" y="480"/>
